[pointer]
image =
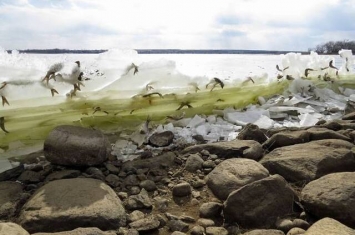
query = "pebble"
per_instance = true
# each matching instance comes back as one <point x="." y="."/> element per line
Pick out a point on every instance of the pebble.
<point x="182" y="190"/>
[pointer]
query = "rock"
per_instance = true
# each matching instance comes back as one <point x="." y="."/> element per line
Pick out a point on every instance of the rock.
<point x="264" y="232"/>
<point x="9" y="170"/>
<point x="260" y="203"/>
<point x="205" y="222"/>
<point x="197" y="230"/>
<point x="29" y="177"/>
<point x="140" y="201"/>
<point x="233" y="174"/>
<point x="146" y="224"/>
<point x="300" y="223"/>
<point x="252" y="132"/>
<point x="161" y="139"/>
<point x="296" y="231"/>
<point x="8" y="228"/>
<point x="178" y="233"/>
<point x="286" y="138"/>
<point x="216" y="231"/>
<point x="135" y="215"/>
<point x="113" y="180"/>
<point x="178" y="225"/>
<point x="148" y="185"/>
<point x="80" y="231"/>
<point x="112" y="168"/>
<point x="210" y="209"/>
<point x="332" y="196"/>
<point x="182" y="190"/>
<point x="309" y="161"/>
<point x="284" y="225"/>
<point x="193" y="163"/>
<point x="76" y="146"/>
<point x="161" y="204"/>
<point x="317" y="133"/>
<point x="231" y="149"/>
<point x="64" y="174"/>
<point x="10" y="196"/>
<point x="72" y="203"/>
<point x="349" y="116"/>
<point x="329" y="226"/>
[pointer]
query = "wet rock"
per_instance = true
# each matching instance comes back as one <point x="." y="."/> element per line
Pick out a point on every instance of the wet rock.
<point x="140" y="201"/>
<point x="161" y="139"/>
<point x="147" y="224"/>
<point x="193" y="163"/>
<point x="80" y="231"/>
<point x="264" y="232"/>
<point x="65" y="174"/>
<point x="330" y="227"/>
<point x="178" y="225"/>
<point x="8" y="228"/>
<point x="72" y="203"/>
<point x="216" y="231"/>
<point x="76" y="146"/>
<point x="10" y="196"/>
<point x="286" y="138"/>
<point x="331" y="196"/>
<point x="231" y="149"/>
<point x="260" y="203"/>
<point x="233" y="174"/>
<point x="210" y="209"/>
<point x="252" y="132"/>
<point x="310" y="160"/>
<point x="182" y="190"/>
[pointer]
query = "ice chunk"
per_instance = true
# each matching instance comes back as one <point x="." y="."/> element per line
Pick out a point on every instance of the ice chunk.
<point x="308" y="119"/>
<point x="243" y="118"/>
<point x="196" y="121"/>
<point x="264" y="122"/>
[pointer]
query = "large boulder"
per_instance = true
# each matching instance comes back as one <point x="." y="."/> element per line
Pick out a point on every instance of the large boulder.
<point x="77" y="146"/>
<point x="328" y="226"/>
<point x="332" y="196"/>
<point x="286" y="138"/>
<point x="12" y="229"/>
<point x="233" y="174"/>
<point x="309" y="161"/>
<point x="230" y="149"/>
<point x="10" y="196"/>
<point x="80" y="231"/>
<point x="259" y="204"/>
<point x="72" y="203"/>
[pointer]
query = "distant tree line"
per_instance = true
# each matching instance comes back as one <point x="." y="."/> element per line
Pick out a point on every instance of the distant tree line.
<point x="333" y="47"/>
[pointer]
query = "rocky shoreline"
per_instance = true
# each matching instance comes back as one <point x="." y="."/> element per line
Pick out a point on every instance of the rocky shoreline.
<point x="289" y="181"/>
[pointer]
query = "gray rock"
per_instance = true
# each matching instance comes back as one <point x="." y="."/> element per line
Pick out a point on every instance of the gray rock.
<point x="317" y="133"/>
<point x="95" y="173"/>
<point x="329" y="226"/>
<point x="113" y="180"/>
<point x="230" y="149"/>
<point x="161" y="139"/>
<point x="9" y="228"/>
<point x="148" y="185"/>
<point x="72" y="203"/>
<point x="112" y="169"/>
<point x="305" y="162"/>
<point x="264" y="232"/>
<point x="146" y="224"/>
<point x="260" y="203"/>
<point x="77" y="146"/>
<point x="29" y="177"/>
<point x="64" y="174"/>
<point x="10" y="170"/>
<point x="135" y="215"/>
<point x="252" y="132"/>
<point x="233" y="174"/>
<point x="210" y="209"/>
<point x="182" y="190"/>
<point x="178" y="225"/>
<point x="332" y="196"/>
<point x="216" y="231"/>
<point x="286" y="138"/>
<point x="161" y="204"/>
<point x="193" y="163"/>
<point x="140" y="201"/>
<point x="10" y="196"/>
<point x="80" y="231"/>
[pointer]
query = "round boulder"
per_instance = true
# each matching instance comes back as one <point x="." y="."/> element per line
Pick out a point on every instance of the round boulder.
<point x="77" y="146"/>
<point x="12" y="229"/>
<point x="233" y="174"/>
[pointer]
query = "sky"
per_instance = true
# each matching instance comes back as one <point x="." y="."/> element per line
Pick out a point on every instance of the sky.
<point x="175" y="24"/>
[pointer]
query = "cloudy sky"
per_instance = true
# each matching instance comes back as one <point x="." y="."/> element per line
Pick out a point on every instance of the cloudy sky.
<point x="182" y="24"/>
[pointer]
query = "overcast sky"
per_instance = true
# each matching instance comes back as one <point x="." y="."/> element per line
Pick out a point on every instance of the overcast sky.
<point x="181" y="24"/>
